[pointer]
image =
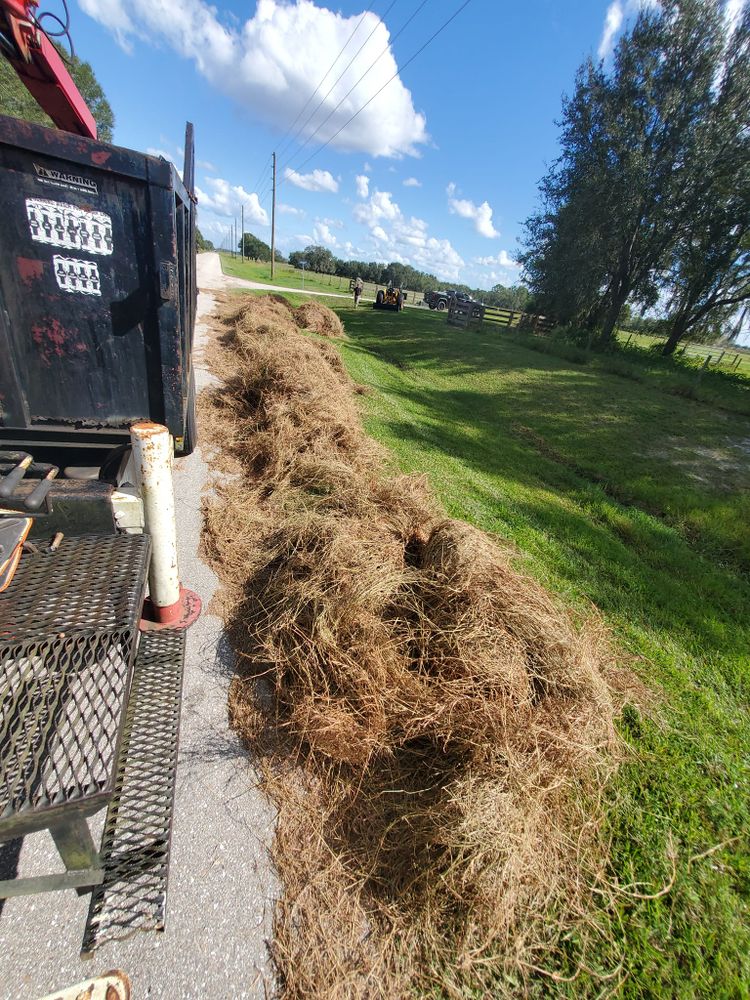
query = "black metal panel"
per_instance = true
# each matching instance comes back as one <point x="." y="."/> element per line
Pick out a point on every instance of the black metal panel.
<point x="68" y="625"/>
<point x="95" y="315"/>
<point x="76" y="508"/>
<point x="138" y="828"/>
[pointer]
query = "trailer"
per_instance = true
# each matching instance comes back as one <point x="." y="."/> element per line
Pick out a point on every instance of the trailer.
<point x="97" y="292"/>
<point x="97" y="395"/>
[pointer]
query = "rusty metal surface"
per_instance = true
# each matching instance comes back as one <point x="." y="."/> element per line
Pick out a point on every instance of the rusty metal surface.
<point x="138" y="828"/>
<point x="68" y="626"/>
<point x="92" y="337"/>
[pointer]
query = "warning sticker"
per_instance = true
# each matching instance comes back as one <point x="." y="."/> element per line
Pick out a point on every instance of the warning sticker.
<point x="61" y="179"/>
<point x="68" y="227"/>
<point x="81" y="276"/>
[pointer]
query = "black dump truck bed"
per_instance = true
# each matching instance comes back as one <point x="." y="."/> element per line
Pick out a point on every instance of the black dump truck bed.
<point x="97" y="290"/>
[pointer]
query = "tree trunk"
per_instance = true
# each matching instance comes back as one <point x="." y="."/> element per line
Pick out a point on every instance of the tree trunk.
<point x="677" y="332"/>
<point x="610" y="318"/>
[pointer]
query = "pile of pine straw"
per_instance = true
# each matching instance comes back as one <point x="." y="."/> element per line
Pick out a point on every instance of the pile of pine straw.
<point x="433" y="728"/>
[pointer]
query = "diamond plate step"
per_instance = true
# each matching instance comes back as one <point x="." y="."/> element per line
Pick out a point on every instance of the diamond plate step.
<point x="138" y="827"/>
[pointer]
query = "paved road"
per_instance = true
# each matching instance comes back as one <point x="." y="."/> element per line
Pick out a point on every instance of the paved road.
<point x="221" y="883"/>
<point x="215" y="278"/>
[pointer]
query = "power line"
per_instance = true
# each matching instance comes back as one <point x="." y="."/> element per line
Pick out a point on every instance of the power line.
<point x="320" y="103"/>
<point x="381" y="89"/>
<point x="304" y="107"/>
<point x="372" y="64"/>
<point x="262" y="172"/>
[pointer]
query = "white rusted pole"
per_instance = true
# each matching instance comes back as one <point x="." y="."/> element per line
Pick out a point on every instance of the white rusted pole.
<point x="152" y="457"/>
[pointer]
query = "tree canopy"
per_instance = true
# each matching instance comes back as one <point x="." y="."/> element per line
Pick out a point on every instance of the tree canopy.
<point x="254" y="247"/>
<point x="649" y="201"/>
<point x="16" y="101"/>
<point x="201" y="243"/>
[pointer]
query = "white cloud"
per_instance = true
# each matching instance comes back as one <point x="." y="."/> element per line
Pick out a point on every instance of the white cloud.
<point x="481" y="215"/>
<point x="405" y="239"/>
<point x="367" y="169"/>
<point x="503" y="259"/>
<point x="215" y="230"/>
<point x="412" y="182"/>
<point x="617" y="11"/>
<point x="380" y="206"/>
<point x="152" y="151"/>
<point x="266" y="64"/>
<point x="225" y="200"/>
<point x="318" y="180"/>
<point x="612" y="24"/>
<point x="363" y="185"/>
<point x="289" y="209"/>
<point x="322" y="234"/>
<point x="732" y="14"/>
<point x="177" y="156"/>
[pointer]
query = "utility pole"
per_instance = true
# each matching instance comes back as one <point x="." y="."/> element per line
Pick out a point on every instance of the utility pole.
<point x="273" y="219"/>
<point x="242" y="237"/>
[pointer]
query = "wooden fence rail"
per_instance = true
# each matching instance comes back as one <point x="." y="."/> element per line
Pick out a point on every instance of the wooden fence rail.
<point x="522" y="320"/>
<point x="465" y="314"/>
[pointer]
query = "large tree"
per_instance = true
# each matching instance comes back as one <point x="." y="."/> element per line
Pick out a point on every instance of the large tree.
<point x="202" y="245"/>
<point x="708" y="277"/>
<point x="316" y="258"/>
<point x="254" y="248"/>
<point x="16" y="101"/>
<point x="639" y="147"/>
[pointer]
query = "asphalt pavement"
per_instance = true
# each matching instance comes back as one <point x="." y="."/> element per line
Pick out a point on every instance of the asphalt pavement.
<point x="221" y="885"/>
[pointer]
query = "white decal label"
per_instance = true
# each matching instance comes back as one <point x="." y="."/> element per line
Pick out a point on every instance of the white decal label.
<point x="68" y="227"/>
<point x="57" y="178"/>
<point x="80" y="276"/>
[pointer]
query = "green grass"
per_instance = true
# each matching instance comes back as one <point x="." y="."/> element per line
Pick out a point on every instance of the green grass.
<point x="290" y="277"/>
<point x="627" y="496"/>
<point x="284" y="275"/>
<point x="697" y="351"/>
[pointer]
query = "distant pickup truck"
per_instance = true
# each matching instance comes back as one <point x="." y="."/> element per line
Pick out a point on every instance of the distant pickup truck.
<point x="441" y="300"/>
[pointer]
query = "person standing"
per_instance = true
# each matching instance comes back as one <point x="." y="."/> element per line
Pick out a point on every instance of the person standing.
<point x="358" y="286"/>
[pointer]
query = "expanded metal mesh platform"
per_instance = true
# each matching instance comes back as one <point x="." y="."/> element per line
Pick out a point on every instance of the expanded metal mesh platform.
<point x="138" y="828"/>
<point x="68" y="626"/>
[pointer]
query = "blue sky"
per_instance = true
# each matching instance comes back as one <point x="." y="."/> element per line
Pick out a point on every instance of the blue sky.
<point x="439" y="170"/>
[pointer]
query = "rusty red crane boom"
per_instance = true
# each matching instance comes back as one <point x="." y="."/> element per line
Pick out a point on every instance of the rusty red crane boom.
<point x="38" y="63"/>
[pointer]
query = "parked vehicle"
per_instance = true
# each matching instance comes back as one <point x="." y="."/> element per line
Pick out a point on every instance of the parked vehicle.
<point x="441" y="300"/>
<point x="390" y="298"/>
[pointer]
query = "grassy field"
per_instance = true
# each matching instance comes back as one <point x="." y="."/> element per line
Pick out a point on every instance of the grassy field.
<point x="284" y="275"/>
<point x="290" y="277"/>
<point x="622" y="494"/>
<point x="729" y="361"/>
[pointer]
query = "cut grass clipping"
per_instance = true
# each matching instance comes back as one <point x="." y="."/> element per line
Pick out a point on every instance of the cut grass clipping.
<point x="433" y="728"/>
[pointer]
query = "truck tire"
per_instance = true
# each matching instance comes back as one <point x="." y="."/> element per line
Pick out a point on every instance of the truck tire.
<point x="441" y="305"/>
<point x="431" y="305"/>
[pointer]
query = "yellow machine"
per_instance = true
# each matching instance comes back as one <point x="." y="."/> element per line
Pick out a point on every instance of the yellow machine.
<point x="391" y="298"/>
